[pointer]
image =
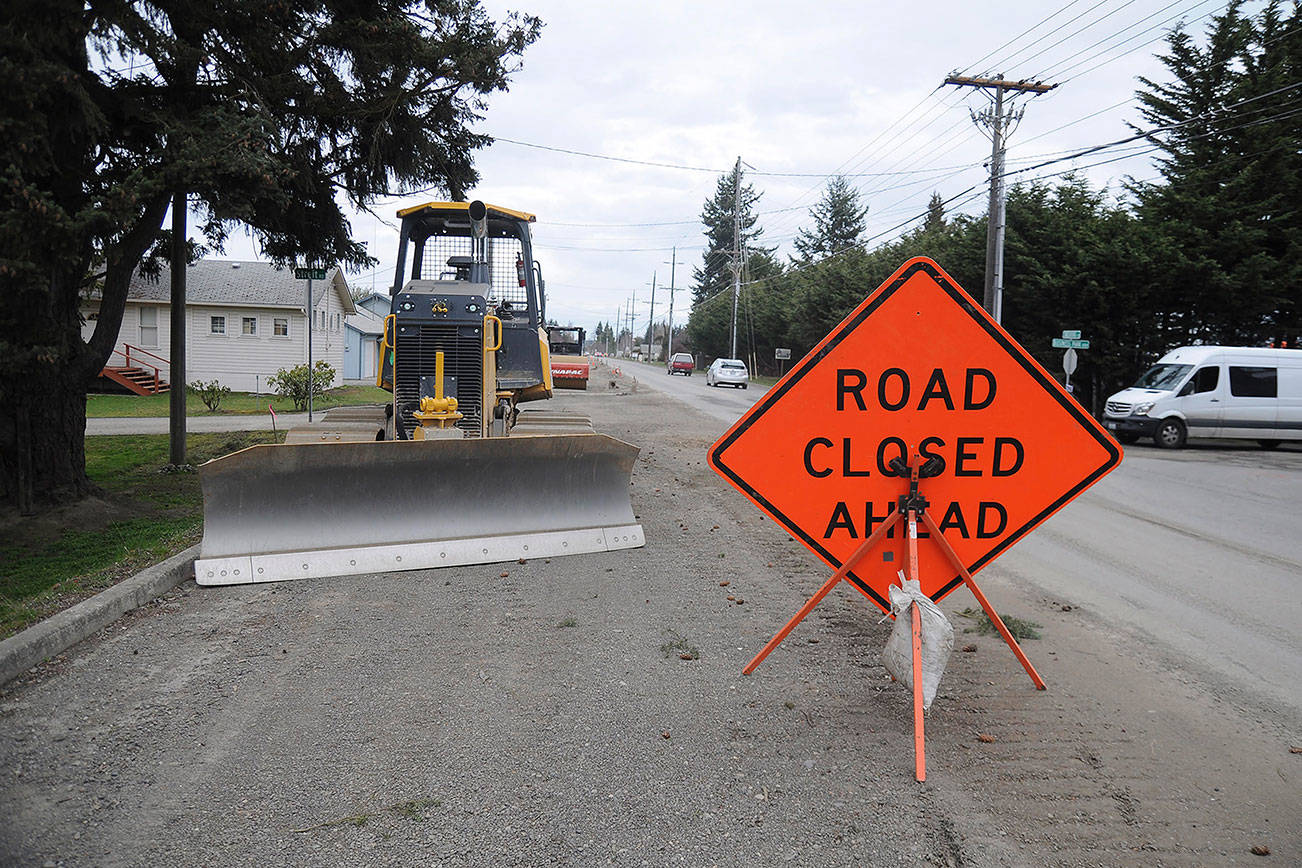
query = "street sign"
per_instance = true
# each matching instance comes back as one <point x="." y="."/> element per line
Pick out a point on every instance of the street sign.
<point x="1071" y="334"/>
<point x="309" y="273"/>
<point x="917" y="365"/>
<point x="1069" y="362"/>
<point x="781" y="353"/>
<point x="1068" y="343"/>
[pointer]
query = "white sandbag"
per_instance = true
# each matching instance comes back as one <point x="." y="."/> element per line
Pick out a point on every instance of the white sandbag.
<point x="937" y="639"/>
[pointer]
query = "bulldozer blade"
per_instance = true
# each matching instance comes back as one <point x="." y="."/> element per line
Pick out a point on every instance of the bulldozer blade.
<point x="273" y="513"/>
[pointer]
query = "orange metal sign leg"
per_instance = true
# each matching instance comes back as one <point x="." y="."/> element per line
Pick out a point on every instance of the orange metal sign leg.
<point x="919" y="738"/>
<point x="919" y="730"/>
<point x="872" y="540"/>
<point x="981" y="598"/>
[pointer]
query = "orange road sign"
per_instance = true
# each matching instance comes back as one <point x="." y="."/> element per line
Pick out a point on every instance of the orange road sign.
<point x="917" y="365"/>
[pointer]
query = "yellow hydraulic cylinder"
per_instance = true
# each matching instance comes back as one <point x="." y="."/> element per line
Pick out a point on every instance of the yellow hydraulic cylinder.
<point x="438" y="412"/>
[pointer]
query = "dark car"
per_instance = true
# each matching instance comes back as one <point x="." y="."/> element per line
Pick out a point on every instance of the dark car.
<point x="681" y="363"/>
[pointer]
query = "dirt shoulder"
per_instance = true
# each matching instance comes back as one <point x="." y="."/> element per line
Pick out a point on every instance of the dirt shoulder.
<point x="463" y="717"/>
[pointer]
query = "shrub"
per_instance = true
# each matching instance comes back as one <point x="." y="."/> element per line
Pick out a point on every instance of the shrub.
<point x="211" y="393"/>
<point x="295" y="382"/>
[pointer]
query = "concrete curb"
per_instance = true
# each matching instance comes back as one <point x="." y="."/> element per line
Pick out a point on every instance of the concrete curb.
<point x="60" y="632"/>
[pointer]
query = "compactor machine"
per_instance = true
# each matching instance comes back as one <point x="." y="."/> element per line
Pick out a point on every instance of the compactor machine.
<point x="452" y="470"/>
<point x="570" y="367"/>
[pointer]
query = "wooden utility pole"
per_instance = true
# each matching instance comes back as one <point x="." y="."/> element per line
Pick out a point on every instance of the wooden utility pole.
<point x="736" y="250"/>
<point x="651" y="327"/>
<point x="177" y="372"/>
<point x="996" y="119"/>
<point x="673" y="268"/>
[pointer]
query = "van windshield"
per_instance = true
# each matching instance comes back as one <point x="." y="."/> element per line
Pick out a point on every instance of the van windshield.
<point x="1164" y="377"/>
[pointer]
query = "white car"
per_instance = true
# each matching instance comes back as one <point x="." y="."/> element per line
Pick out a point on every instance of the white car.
<point x="727" y="372"/>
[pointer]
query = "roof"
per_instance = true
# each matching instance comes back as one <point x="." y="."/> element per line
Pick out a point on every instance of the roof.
<point x="257" y="284"/>
<point x="465" y="206"/>
<point x="365" y="321"/>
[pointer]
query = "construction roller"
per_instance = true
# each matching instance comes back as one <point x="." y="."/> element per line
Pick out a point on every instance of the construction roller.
<point x="275" y="513"/>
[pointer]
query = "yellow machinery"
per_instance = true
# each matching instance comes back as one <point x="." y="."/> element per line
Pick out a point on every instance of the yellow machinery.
<point x="451" y="471"/>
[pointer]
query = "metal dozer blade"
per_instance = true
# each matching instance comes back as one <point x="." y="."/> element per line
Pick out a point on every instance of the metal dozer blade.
<point x="273" y="513"/>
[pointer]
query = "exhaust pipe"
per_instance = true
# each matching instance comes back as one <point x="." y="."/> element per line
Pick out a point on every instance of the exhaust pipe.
<point x="478" y="219"/>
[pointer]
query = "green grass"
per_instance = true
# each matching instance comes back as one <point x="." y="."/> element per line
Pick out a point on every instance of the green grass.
<point x="1020" y="628"/>
<point x="234" y="404"/>
<point x="145" y="516"/>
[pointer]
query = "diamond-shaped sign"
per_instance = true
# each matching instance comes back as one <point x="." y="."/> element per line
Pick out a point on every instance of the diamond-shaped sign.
<point x="917" y="366"/>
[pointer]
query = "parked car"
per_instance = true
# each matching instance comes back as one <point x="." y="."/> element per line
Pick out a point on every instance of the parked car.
<point x="1247" y="393"/>
<point x="681" y="363"/>
<point x="727" y="372"/>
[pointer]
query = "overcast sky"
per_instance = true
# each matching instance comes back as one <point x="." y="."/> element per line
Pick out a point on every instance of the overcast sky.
<point x="816" y="87"/>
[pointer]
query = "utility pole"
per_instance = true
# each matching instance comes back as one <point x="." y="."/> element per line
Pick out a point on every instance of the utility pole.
<point x="632" y="304"/>
<point x="997" y="120"/>
<point x="736" y="250"/>
<point x="673" y="267"/>
<point x="615" y="329"/>
<point x="651" y="328"/>
<point x="176" y="400"/>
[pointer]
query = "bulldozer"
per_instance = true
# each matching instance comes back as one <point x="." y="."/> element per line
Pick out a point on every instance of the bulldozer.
<point x="452" y="470"/>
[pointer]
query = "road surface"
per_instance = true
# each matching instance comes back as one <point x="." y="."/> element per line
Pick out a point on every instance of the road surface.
<point x="543" y="713"/>
<point x="1199" y="550"/>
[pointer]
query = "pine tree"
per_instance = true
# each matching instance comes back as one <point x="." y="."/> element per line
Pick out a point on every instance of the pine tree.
<point x="839" y="222"/>
<point x="709" y="324"/>
<point x="935" y="220"/>
<point x="1227" y="206"/>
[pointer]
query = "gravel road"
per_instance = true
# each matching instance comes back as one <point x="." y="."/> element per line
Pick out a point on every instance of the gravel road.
<point x="546" y="717"/>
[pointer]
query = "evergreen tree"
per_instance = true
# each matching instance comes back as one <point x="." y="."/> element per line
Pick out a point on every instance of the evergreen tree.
<point x="935" y="220"/>
<point x="838" y="222"/>
<point x="709" y="323"/>
<point x="1226" y="209"/>
<point x="267" y="115"/>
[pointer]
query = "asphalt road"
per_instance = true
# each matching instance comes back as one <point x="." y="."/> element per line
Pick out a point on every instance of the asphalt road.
<point x="725" y="403"/>
<point x="1198" y="551"/>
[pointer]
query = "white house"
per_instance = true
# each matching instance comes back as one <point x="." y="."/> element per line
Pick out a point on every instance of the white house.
<point x="244" y="322"/>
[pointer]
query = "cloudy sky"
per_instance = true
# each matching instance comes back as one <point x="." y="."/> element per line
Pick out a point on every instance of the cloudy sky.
<point x="798" y="91"/>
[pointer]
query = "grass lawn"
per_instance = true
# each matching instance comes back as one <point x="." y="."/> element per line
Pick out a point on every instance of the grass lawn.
<point x="234" y="404"/>
<point x="49" y="562"/>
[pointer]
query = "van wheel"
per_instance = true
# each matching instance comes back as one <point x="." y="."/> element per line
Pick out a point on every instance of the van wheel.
<point x="1128" y="439"/>
<point x="1268" y="444"/>
<point x="1170" y="434"/>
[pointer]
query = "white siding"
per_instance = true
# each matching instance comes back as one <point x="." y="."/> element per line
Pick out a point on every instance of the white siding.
<point x="129" y="333"/>
<point x="241" y="362"/>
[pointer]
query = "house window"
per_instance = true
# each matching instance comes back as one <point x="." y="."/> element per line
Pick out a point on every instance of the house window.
<point x="280" y="327"/>
<point x="216" y="325"/>
<point x="149" y="326"/>
<point x="249" y="325"/>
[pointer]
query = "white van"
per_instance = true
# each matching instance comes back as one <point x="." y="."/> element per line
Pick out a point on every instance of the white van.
<point x="1246" y="393"/>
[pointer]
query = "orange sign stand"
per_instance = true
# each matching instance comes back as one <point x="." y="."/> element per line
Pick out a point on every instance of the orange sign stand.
<point x="918" y="381"/>
<point x="912" y="510"/>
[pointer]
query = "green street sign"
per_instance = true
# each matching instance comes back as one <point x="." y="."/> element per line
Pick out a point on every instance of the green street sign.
<point x="309" y="273"/>
<point x="1066" y="344"/>
<point x="1072" y="334"/>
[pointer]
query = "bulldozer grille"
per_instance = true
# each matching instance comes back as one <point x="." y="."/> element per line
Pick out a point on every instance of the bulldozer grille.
<point x="462" y="358"/>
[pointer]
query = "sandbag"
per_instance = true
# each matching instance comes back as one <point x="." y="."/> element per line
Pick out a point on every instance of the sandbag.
<point x="937" y="639"/>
